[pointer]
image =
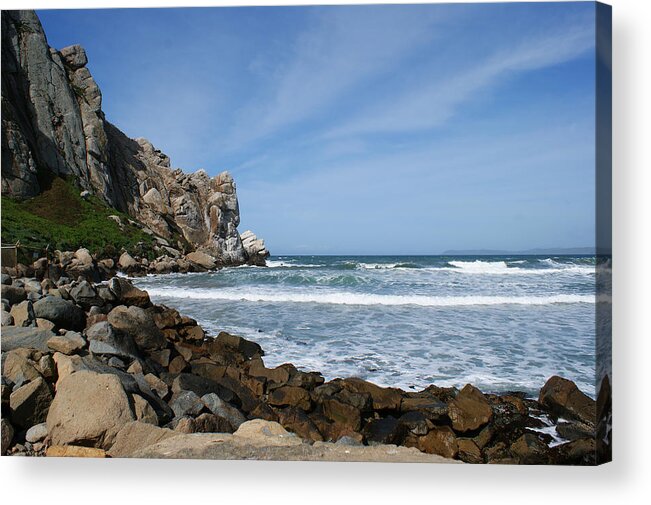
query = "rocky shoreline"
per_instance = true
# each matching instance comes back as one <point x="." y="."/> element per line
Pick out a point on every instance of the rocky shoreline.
<point x="91" y="367"/>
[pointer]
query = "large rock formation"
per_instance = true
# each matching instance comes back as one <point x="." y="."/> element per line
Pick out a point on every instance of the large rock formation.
<point x="53" y="125"/>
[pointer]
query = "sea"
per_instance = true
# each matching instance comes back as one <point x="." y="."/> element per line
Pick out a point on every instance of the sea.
<point x="501" y="323"/>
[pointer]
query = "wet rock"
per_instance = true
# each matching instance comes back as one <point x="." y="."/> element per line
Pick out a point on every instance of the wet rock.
<point x="530" y="450"/>
<point x="415" y="422"/>
<point x="574" y="430"/>
<point x="296" y="420"/>
<point x="562" y="398"/>
<point x="469" y="410"/>
<point x="231" y="349"/>
<point x="342" y="413"/>
<point x="387" y="430"/>
<point x="468" y="451"/>
<point x="576" y="452"/>
<point x="440" y="440"/>
<point x="290" y="396"/>
<point x="383" y="399"/>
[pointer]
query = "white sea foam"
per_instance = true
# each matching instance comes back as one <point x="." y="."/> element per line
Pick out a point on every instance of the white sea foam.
<point x="283" y="264"/>
<point x="345" y="298"/>
<point x="479" y="267"/>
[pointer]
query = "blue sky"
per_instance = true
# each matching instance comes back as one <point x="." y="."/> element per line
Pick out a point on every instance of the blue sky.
<point x="398" y="129"/>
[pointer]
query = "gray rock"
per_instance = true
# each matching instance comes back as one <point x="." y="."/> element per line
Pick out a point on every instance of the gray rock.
<point x="139" y="325"/>
<point x="74" y="56"/>
<point x="186" y="403"/>
<point x="88" y="409"/>
<point x="32" y="286"/>
<point x="85" y="295"/>
<point x="13" y="294"/>
<point x="30" y="403"/>
<point x="14" y="337"/>
<point x="7" y="318"/>
<point x="116" y="363"/>
<point x="36" y="433"/>
<point x="5" y="279"/>
<point x="7" y="432"/>
<point x="103" y="339"/>
<point x="63" y="313"/>
<point x="219" y="407"/>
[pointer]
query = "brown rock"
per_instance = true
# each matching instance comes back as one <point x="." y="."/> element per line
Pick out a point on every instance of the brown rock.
<point x="89" y="409"/>
<point x="342" y="413"/>
<point x="136" y="435"/>
<point x="139" y="325"/>
<point x="441" y="441"/>
<point x="143" y="411"/>
<point x="128" y="294"/>
<point x="530" y="450"/>
<point x="74" y="451"/>
<point x="23" y="313"/>
<point x="192" y="333"/>
<point x="279" y="375"/>
<point x="469" y="410"/>
<point x="70" y="343"/>
<point x="297" y="421"/>
<point x="290" y="396"/>
<point x="577" y="452"/>
<point x="562" y="398"/>
<point x="177" y="365"/>
<point x="18" y="368"/>
<point x="157" y="385"/>
<point x="383" y="398"/>
<point x="30" y="403"/>
<point x="386" y="430"/>
<point x="468" y="451"/>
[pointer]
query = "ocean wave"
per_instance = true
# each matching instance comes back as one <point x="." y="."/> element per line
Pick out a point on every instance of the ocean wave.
<point x="283" y="264"/>
<point x="479" y="267"/>
<point x="344" y="298"/>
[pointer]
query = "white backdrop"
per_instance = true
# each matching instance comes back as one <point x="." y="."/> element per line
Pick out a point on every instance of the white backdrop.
<point x="627" y="479"/>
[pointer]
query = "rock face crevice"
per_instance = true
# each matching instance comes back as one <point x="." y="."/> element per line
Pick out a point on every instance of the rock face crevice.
<point x="53" y="125"/>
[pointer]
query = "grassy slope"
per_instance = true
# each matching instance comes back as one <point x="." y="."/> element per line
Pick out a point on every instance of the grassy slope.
<point x="61" y="218"/>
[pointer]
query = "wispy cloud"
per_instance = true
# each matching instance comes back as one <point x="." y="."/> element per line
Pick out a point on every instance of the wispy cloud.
<point x="432" y="104"/>
<point x="339" y="51"/>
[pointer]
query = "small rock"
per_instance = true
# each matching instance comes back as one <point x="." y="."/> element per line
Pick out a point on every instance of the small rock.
<point x="36" y="433"/>
<point x="7" y="318"/>
<point x="23" y="313"/>
<point x="144" y="411"/>
<point x="441" y="441"/>
<point x="70" y="343"/>
<point x="7" y="433"/>
<point x="186" y="403"/>
<point x="470" y="410"/>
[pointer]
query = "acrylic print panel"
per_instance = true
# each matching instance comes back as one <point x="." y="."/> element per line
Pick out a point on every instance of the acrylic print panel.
<point x="432" y="183"/>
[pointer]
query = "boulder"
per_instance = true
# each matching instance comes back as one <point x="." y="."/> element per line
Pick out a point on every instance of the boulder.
<point x="30" y="403"/>
<point x="440" y="440"/>
<point x="297" y="421"/>
<point x="202" y="259"/>
<point x="7" y="318"/>
<point x="74" y="451"/>
<point x="136" y="435"/>
<point x="63" y="313"/>
<point x="386" y="430"/>
<point x="88" y="409"/>
<point x="157" y="385"/>
<point x="470" y="410"/>
<point x="83" y="255"/>
<point x="231" y="349"/>
<point x="139" y="325"/>
<point x="36" y="433"/>
<point x="205" y="423"/>
<point x="127" y="262"/>
<point x="14" y="337"/>
<point x="384" y="399"/>
<point x="186" y="403"/>
<point x="70" y="343"/>
<point x="177" y="365"/>
<point x="223" y="409"/>
<point x="84" y="295"/>
<point x="290" y="396"/>
<point x="564" y="399"/>
<point x="143" y="411"/>
<point x="7" y="433"/>
<point x="342" y="413"/>
<point x="23" y="313"/>
<point x="13" y="294"/>
<point x="468" y="451"/>
<point x="530" y="450"/>
<point x="18" y="368"/>
<point x="103" y="339"/>
<point x="127" y="294"/>
<point x="415" y="422"/>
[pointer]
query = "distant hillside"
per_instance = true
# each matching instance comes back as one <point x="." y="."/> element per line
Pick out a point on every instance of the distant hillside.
<point x="497" y="252"/>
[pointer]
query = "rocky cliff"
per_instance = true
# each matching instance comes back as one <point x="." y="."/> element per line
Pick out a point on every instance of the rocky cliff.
<point x="53" y="126"/>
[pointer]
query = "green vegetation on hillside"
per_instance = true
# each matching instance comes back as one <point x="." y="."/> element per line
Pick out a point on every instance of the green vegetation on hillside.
<point x="61" y="218"/>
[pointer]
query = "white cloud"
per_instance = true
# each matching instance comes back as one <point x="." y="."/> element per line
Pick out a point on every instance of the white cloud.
<point x="432" y="104"/>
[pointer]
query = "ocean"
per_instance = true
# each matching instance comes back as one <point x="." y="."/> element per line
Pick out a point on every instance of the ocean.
<point x="501" y="323"/>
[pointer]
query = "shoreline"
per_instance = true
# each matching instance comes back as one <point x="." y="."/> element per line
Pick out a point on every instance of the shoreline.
<point x="124" y="335"/>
